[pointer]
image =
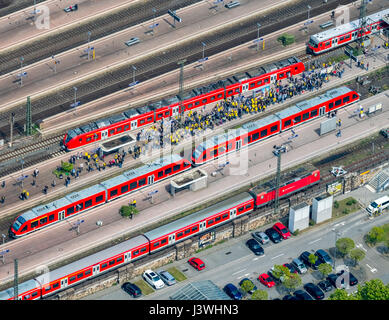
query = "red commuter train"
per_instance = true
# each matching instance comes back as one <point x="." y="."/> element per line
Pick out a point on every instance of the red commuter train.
<point x="273" y="124"/>
<point x="196" y="223"/>
<point x="347" y="33"/>
<point x="131" y="119"/>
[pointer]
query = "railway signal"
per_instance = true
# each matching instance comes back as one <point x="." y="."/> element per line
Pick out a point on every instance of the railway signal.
<point x="76" y="103"/>
<point x="2" y="254"/>
<point x="174" y="16"/>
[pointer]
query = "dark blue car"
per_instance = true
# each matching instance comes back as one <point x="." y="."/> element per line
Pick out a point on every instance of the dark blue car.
<point x="232" y="291"/>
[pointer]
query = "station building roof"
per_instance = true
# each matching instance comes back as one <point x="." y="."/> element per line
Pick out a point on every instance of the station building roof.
<point x="200" y="290"/>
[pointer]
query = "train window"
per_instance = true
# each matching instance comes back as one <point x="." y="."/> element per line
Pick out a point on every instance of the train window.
<point x="237" y="90"/>
<point x="229" y="92"/>
<point x="346" y="99"/>
<point x="80" y="140"/>
<point x="87" y="272"/>
<point x="248" y="206"/>
<point x="341" y="39"/>
<point x="204" y="101"/>
<point x="43" y="220"/>
<point x="229" y="147"/>
<point x="179" y="235"/>
<point x="156" y="244"/>
<point x="217" y="219"/>
<point x="47" y="288"/>
<point x="113" y="193"/>
<point x="240" y="209"/>
<point x="160" y="174"/>
<point x="112" y="262"/>
<point x="224" y="216"/>
<point x="88" y="139"/>
<point x="194" y="229"/>
<point x="190" y="105"/>
<point x="24" y="229"/>
<point x="306" y="116"/>
<point x="287" y="123"/>
<point x="212" y="98"/>
<point x="51" y="217"/>
<point x="79" y="206"/>
<point x="55" y="285"/>
<point x="120" y="259"/>
<point x="112" y="131"/>
<point x="252" y="84"/>
<point x="330" y="105"/>
<point x="274" y="128"/>
<point x="297" y="119"/>
<point x="255" y="136"/>
<point x="69" y="210"/>
<point x="266" y="80"/>
<point x="119" y="129"/>
<point x="187" y="231"/>
<point x="209" y="222"/>
<point x="204" y="156"/>
<point x="88" y="203"/>
<point x="176" y="167"/>
<point x="99" y="198"/>
<point x="80" y="275"/>
<point x="197" y="103"/>
<point x="34" y="224"/>
<point x="214" y="152"/>
<point x="159" y="116"/>
<point x="34" y="294"/>
<point x="142" y="182"/>
<point x="167" y="113"/>
<point x="72" y="279"/>
<point x="163" y="241"/>
<point x="26" y="297"/>
<point x="247" y="139"/>
<point x="104" y="265"/>
<point x="221" y="150"/>
<point x="126" y="127"/>
<point x="135" y="252"/>
<point x="328" y="43"/>
<point x="313" y="113"/>
<point x="263" y="133"/>
<point x="142" y="121"/>
<point x="124" y="189"/>
<point x="220" y="95"/>
<point x="338" y="102"/>
<point x="355" y="96"/>
<point x="281" y="75"/>
<point x="259" y="82"/>
<point x="168" y="170"/>
<point x="149" y="119"/>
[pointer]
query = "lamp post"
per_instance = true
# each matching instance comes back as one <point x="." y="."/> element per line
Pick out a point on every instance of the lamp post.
<point x="89" y="34"/>
<point x="204" y="45"/>
<point x="258" y="26"/>
<point x="21" y="71"/>
<point x="75" y="96"/>
<point x="133" y="74"/>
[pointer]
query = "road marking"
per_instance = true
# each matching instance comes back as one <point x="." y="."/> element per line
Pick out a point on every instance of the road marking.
<point x="373" y="270"/>
<point x="277" y="256"/>
<point x="238" y="271"/>
<point x="256" y="258"/>
<point x="314" y="241"/>
<point x="359" y="245"/>
<point x="340" y="224"/>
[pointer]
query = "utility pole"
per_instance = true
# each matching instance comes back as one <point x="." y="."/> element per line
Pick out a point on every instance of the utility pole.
<point x="16" y="280"/>
<point x="28" y="118"/>
<point x="362" y="22"/>
<point x="278" y="176"/>
<point x="12" y="121"/>
<point x="181" y="91"/>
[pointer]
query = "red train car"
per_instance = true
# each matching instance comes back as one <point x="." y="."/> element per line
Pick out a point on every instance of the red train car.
<point x="135" y="118"/>
<point x="346" y="33"/>
<point x="273" y="124"/>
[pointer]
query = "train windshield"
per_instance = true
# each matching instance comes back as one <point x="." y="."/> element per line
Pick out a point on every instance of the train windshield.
<point x="70" y="135"/>
<point x="312" y="43"/>
<point x="17" y="224"/>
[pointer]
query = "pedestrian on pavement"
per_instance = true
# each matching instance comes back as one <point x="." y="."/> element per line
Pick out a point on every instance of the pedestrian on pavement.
<point x="33" y="182"/>
<point x="339" y="133"/>
<point x="131" y="216"/>
<point x="3" y="184"/>
<point x="53" y="183"/>
<point x="2" y="199"/>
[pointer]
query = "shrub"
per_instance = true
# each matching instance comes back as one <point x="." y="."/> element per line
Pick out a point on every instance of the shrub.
<point x="286" y="39"/>
<point x="126" y="211"/>
<point x="336" y="204"/>
<point x="345" y="245"/>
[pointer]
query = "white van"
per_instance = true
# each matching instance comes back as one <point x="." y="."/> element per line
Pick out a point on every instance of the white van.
<point x="378" y="205"/>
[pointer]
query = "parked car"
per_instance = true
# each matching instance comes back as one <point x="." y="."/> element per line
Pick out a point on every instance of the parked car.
<point x="153" y="279"/>
<point x="324" y="257"/>
<point x="302" y="295"/>
<point x="282" y="230"/>
<point x="247" y="279"/>
<point x="266" y="280"/>
<point x="299" y="265"/>
<point x="325" y="285"/>
<point x="261" y="237"/>
<point x="291" y="268"/>
<point x="196" y="263"/>
<point x="289" y="297"/>
<point x="273" y="235"/>
<point x="232" y="291"/>
<point x="71" y="8"/>
<point x="167" y="277"/>
<point x="333" y="279"/>
<point x="304" y="257"/>
<point x="385" y="133"/>
<point x="132" y="289"/>
<point x="314" y="291"/>
<point x="255" y="247"/>
<point x="352" y="279"/>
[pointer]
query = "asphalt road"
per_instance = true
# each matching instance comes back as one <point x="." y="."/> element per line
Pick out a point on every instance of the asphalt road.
<point x="232" y="260"/>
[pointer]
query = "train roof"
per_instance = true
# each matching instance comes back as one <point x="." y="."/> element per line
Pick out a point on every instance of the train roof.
<point x="347" y="27"/>
<point x="285" y="113"/>
<point x="221" y="138"/>
<point x="260" y="123"/>
<point x="94" y="259"/>
<point x="131" y="113"/>
<point x="22" y="287"/>
<point x="197" y="216"/>
<point x="45" y="208"/>
<point x="286" y="178"/>
<point x="84" y="193"/>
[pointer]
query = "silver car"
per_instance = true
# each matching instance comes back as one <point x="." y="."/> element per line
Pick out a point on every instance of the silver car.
<point x="299" y="265"/>
<point x="167" y="277"/>
<point x="261" y="237"/>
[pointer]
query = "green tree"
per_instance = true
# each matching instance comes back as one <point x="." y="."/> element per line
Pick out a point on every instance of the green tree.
<point x="260" y="295"/>
<point x="247" y="286"/>
<point x="126" y="211"/>
<point x="325" y="269"/>
<point x="341" y="294"/>
<point x="67" y="166"/>
<point x="345" y="245"/>
<point x="357" y="255"/>
<point x="312" y="258"/>
<point x="292" y="282"/>
<point x="376" y="234"/>
<point x="373" y="290"/>
<point x="280" y="272"/>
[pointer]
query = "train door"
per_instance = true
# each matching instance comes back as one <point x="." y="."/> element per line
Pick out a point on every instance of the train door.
<point x="232" y="213"/>
<point x="96" y="269"/>
<point x="322" y="111"/>
<point x="172" y="239"/>
<point x="238" y="144"/>
<point x="64" y="283"/>
<point x="334" y="42"/>
<point x="273" y="78"/>
<point x="61" y="215"/>
<point x="175" y="111"/>
<point x="245" y="87"/>
<point x="151" y="179"/>
<point x="134" y="124"/>
<point x="202" y="226"/>
<point x="104" y="134"/>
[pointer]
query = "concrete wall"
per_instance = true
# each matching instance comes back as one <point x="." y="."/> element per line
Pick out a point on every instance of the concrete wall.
<point x="322" y="209"/>
<point x="299" y="217"/>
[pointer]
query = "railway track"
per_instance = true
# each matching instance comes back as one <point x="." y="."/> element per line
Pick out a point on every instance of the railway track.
<point x="161" y="62"/>
<point x="8" y="6"/>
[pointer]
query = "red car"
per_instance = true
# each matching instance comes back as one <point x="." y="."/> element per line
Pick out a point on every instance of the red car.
<point x="265" y="279"/>
<point x="281" y="230"/>
<point x="196" y="263"/>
